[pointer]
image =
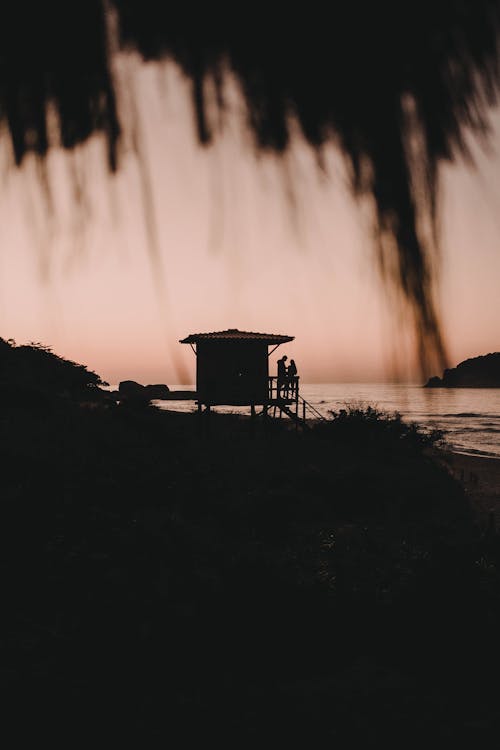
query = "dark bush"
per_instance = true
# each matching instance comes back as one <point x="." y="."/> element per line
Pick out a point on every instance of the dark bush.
<point x="369" y="425"/>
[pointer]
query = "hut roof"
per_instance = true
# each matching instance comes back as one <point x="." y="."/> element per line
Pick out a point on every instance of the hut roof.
<point x="233" y="334"/>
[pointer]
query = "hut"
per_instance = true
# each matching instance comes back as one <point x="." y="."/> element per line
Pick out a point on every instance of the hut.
<point x="232" y="367"/>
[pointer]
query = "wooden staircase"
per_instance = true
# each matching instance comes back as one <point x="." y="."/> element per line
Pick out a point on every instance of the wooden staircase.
<point x="284" y="408"/>
<point x="292" y="404"/>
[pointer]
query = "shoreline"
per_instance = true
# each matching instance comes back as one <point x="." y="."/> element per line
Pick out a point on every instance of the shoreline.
<point x="487" y="456"/>
<point x="480" y="477"/>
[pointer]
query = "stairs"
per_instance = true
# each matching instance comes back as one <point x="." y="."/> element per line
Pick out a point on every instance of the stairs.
<point x="289" y="402"/>
<point x="294" y="416"/>
<point x="292" y="410"/>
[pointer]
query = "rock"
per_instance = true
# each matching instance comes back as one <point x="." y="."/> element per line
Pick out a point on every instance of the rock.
<point x="133" y="392"/>
<point x="477" y="372"/>
<point x="434" y="382"/>
<point x="159" y="391"/>
<point x="130" y="391"/>
<point x="130" y="388"/>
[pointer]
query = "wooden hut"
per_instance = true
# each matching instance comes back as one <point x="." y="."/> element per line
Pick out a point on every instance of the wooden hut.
<point x="232" y="367"/>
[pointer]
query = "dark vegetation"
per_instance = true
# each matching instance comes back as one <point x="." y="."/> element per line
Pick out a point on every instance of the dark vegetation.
<point x="31" y="372"/>
<point x="247" y="587"/>
<point x="399" y="88"/>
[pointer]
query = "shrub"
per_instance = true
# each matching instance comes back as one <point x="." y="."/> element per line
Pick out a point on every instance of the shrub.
<point x="367" y="425"/>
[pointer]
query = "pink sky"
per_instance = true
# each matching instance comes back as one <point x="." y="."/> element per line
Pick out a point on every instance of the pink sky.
<point x="235" y="251"/>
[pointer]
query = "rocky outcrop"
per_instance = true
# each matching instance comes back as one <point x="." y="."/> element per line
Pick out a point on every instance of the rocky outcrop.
<point x="477" y="372"/>
<point x="130" y="391"/>
<point x="159" y="391"/>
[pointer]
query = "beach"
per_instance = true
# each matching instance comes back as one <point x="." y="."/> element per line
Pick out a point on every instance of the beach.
<point x="480" y="476"/>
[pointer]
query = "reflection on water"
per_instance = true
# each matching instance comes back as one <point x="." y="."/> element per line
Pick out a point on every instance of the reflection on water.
<point x="470" y="417"/>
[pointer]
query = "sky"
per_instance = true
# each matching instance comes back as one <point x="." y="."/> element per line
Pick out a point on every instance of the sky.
<point x="113" y="271"/>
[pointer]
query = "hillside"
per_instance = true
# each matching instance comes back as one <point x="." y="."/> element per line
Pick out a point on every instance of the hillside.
<point x="33" y="370"/>
<point x="477" y="372"/>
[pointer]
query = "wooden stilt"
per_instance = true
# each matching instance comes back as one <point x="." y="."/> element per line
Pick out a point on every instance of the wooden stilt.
<point x="200" y="418"/>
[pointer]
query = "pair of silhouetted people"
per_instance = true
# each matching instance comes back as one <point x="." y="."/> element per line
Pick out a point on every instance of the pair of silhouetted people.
<point x="287" y="382"/>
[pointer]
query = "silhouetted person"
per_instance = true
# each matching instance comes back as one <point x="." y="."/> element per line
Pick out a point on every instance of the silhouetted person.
<point x="291" y="373"/>
<point x="282" y="375"/>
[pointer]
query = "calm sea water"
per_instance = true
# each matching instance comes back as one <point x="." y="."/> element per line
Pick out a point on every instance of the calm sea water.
<point x="469" y="417"/>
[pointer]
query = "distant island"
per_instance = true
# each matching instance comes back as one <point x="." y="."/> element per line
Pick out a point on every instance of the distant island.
<point x="477" y="372"/>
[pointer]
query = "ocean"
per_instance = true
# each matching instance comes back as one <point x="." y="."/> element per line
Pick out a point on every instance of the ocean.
<point x="469" y="417"/>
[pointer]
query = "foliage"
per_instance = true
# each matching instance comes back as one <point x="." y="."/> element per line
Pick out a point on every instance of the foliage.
<point x="34" y="366"/>
<point x="367" y="424"/>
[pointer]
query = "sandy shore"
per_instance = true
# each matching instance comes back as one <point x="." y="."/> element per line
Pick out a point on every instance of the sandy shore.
<point x="481" y="479"/>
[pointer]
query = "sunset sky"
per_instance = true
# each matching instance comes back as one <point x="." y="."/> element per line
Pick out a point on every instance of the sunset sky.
<point x="112" y="280"/>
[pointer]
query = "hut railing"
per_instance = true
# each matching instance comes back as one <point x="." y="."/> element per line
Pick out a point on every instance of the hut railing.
<point x="288" y="389"/>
